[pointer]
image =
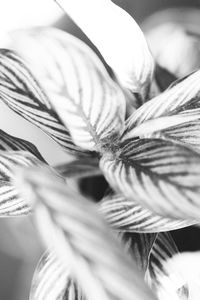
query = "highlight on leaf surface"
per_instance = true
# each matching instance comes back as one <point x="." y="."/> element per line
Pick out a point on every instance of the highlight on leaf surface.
<point x="11" y="203"/>
<point x="177" y="105"/>
<point x="53" y="281"/>
<point x="88" y="102"/>
<point x="158" y="174"/>
<point x="118" y="38"/>
<point x="77" y="232"/>
<point x="163" y="249"/>
<point x="23" y="94"/>
<point x="181" y="270"/>
<point x="128" y="216"/>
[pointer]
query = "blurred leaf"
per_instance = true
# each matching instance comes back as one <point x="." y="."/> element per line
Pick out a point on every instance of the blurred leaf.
<point x="118" y="38"/>
<point x="86" y="99"/>
<point x="81" y="238"/>
<point x="80" y="168"/>
<point x="126" y="215"/>
<point x="11" y="203"/>
<point x="53" y="281"/>
<point x="22" y="93"/>
<point x="159" y="175"/>
<point x="179" y="104"/>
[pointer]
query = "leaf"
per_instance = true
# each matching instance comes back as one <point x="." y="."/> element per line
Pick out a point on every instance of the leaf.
<point x="152" y="252"/>
<point x="82" y="239"/>
<point x="179" y="104"/>
<point x="22" y="93"/>
<point x="80" y="168"/>
<point x="128" y="216"/>
<point x="11" y="143"/>
<point x="139" y="246"/>
<point x="159" y="175"/>
<point x="187" y="133"/>
<point x="162" y="251"/>
<point x="52" y="281"/>
<point x="86" y="99"/>
<point x="11" y="203"/>
<point x="118" y="38"/>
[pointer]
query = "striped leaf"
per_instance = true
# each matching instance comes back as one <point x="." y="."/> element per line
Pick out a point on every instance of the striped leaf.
<point x="22" y="93"/>
<point x="139" y="247"/>
<point x="82" y="239"/>
<point x="11" y="143"/>
<point x="52" y="281"/>
<point x="152" y="252"/>
<point x="80" y="168"/>
<point x="119" y="39"/>
<point x="11" y="203"/>
<point x="187" y="133"/>
<point x="128" y="216"/>
<point x="179" y="104"/>
<point x="159" y="175"/>
<point x="86" y="99"/>
<point x="162" y="250"/>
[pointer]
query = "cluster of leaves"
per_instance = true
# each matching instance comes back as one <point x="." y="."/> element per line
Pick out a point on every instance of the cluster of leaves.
<point x="147" y="147"/>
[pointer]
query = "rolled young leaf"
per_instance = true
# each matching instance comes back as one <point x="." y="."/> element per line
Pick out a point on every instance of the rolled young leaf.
<point x="85" y="98"/>
<point x="128" y="216"/>
<point x="159" y="175"/>
<point x="53" y="281"/>
<point x="22" y="93"/>
<point x="119" y="39"/>
<point x="179" y="104"/>
<point x="81" y="239"/>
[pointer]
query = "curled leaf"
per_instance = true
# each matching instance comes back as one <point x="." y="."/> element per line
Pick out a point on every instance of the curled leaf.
<point x="22" y="93"/>
<point x="128" y="216"/>
<point x="119" y="39"/>
<point x="77" y="232"/>
<point x="159" y="175"/>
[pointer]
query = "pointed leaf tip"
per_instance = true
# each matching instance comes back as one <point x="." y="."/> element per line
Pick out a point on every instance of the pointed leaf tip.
<point x="119" y="39"/>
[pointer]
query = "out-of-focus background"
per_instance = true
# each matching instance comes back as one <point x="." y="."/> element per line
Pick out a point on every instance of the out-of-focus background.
<point x="19" y="245"/>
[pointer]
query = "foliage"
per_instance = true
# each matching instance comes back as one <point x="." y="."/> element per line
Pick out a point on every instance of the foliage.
<point x="147" y="147"/>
